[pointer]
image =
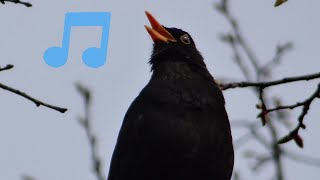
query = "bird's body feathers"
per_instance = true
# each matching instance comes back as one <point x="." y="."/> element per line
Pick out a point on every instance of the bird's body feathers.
<point x="177" y="128"/>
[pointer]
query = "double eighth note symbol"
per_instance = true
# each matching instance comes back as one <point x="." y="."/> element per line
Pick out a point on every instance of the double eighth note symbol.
<point x="93" y="57"/>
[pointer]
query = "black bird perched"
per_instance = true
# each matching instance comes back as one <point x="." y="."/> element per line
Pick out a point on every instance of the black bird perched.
<point x="177" y="128"/>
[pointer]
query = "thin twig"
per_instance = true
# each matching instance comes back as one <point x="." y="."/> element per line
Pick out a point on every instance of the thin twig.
<point x="27" y="4"/>
<point x="302" y="158"/>
<point x="85" y="122"/>
<point x="7" y="67"/>
<point x="274" y="149"/>
<point x="229" y="38"/>
<point x="293" y="106"/>
<point x="262" y="107"/>
<point x="293" y="135"/>
<point x="238" y="36"/>
<point x="281" y="50"/>
<point x="270" y="83"/>
<point x="298" y="104"/>
<point x="36" y="101"/>
<point x="261" y="159"/>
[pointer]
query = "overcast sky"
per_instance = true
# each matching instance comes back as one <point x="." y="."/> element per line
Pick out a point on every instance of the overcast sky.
<point x="52" y="146"/>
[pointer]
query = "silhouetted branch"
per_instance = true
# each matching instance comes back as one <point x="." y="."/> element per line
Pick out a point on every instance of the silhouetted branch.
<point x="298" y="104"/>
<point x="258" y="83"/>
<point x="294" y="133"/>
<point x="85" y="122"/>
<point x="237" y="42"/>
<point x="264" y="111"/>
<point x="262" y="106"/>
<point x="7" y="67"/>
<point x="270" y="83"/>
<point x="27" y="4"/>
<point x="237" y="37"/>
<point x="36" y="101"/>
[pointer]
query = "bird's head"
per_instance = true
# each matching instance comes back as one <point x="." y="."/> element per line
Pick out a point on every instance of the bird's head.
<point x="172" y="45"/>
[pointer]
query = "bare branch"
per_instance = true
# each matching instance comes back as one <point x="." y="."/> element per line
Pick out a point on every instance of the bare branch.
<point x="293" y="135"/>
<point x="85" y="122"/>
<point x="238" y="37"/>
<point x="281" y="50"/>
<point x="7" y="67"/>
<point x="271" y="146"/>
<point x="298" y="104"/>
<point x="261" y="159"/>
<point x="36" y="101"/>
<point x="27" y="4"/>
<point x="302" y="158"/>
<point x="270" y="83"/>
<point x="228" y="38"/>
<point x="262" y="107"/>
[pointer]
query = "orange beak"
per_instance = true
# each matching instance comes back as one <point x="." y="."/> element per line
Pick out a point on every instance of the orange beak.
<point x="158" y="32"/>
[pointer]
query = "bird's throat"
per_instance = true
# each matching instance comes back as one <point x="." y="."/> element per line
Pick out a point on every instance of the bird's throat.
<point x="177" y="70"/>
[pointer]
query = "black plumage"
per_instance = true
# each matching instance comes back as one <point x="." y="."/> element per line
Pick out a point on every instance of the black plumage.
<point x="177" y="128"/>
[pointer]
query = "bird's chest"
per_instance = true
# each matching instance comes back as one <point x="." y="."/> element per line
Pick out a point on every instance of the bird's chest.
<point x="181" y="118"/>
<point x="185" y="93"/>
<point x="176" y="132"/>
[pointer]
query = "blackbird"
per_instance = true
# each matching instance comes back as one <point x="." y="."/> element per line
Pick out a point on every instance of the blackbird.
<point x="177" y="128"/>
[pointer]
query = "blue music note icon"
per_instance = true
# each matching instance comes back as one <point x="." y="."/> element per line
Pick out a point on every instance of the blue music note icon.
<point x="93" y="57"/>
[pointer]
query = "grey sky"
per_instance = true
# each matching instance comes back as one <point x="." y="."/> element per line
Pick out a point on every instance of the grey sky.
<point x="52" y="146"/>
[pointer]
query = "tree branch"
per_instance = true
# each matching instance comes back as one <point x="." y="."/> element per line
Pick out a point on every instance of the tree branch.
<point x="271" y="146"/>
<point x="281" y="50"/>
<point x="298" y="104"/>
<point x="261" y="159"/>
<point x="36" y="101"/>
<point x="293" y="135"/>
<point x="269" y="83"/>
<point x="92" y="138"/>
<point x="27" y="4"/>
<point x="238" y="37"/>
<point x="228" y="38"/>
<point x="7" y="67"/>
<point x="302" y="158"/>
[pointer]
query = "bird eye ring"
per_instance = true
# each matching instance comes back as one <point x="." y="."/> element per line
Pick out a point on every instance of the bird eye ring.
<point x="185" y="39"/>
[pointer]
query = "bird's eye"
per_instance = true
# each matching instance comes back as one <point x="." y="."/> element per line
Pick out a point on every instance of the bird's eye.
<point x="185" y="39"/>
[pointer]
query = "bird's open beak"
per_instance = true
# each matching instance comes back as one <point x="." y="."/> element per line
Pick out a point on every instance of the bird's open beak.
<point x="158" y="32"/>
